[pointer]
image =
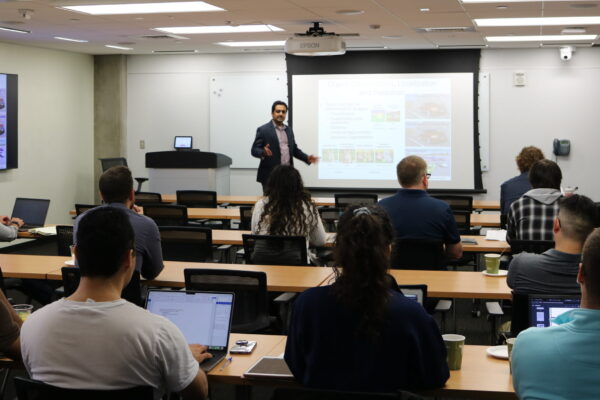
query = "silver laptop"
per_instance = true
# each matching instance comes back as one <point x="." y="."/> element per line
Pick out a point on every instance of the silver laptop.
<point x="203" y="318"/>
<point x="32" y="211"/>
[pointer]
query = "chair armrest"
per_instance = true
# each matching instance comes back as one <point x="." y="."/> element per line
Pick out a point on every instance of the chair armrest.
<point x="493" y="308"/>
<point x="443" y="306"/>
<point x="285" y="297"/>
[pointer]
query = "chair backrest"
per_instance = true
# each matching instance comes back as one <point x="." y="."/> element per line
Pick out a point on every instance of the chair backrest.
<point x="167" y="214"/>
<point x="457" y="203"/>
<point x="530" y="246"/>
<point x="420" y="291"/>
<point x="112" y="162"/>
<point x="64" y="240"/>
<point x="275" y="250"/>
<point x="344" y="200"/>
<point x="132" y="292"/>
<point x="520" y="313"/>
<point x="503" y="221"/>
<point x="330" y="217"/>
<point x="81" y="208"/>
<point x="197" y="198"/>
<point x="284" y="393"/>
<point x="424" y="254"/>
<point x="246" y="218"/>
<point x="29" y="389"/>
<point x="186" y="243"/>
<point x="143" y="198"/>
<point x="251" y="309"/>
<point x="463" y="221"/>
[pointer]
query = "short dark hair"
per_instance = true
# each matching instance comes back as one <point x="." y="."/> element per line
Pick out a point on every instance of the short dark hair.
<point x="590" y="262"/>
<point x="578" y="216"/>
<point x="115" y="184"/>
<point x="410" y="170"/>
<point x="104" y="236"/>
<point x="278" y="103"/>
<point x="545" y="174"/>
<point x="527" y="157"/>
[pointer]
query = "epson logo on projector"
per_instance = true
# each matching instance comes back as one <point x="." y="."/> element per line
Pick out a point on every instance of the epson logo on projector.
<point x="309" y="45"/>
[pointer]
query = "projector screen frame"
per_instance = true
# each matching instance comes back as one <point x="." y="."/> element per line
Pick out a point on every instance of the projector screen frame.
<point x="395" y="62"/>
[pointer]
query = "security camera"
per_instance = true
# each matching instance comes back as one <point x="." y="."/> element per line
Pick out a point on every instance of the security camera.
<point x="566" y="52"/>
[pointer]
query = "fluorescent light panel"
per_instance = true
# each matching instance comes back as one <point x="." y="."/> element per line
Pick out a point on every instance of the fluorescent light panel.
<point x="70" y="40"/>
<point x="3" y="28"/>
<point x="219" y="29"/>
<point x="117" y="47"/>
<point x="145" y="8"/>
<point x="538" y="21"/>
<point x="542" y="38"/>
<point x="270" y="43"/>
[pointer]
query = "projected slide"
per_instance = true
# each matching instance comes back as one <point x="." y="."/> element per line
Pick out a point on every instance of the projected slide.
<point x="363" y="125"/>
<point x="367" y="126"/>
<point x="3" y="124"/>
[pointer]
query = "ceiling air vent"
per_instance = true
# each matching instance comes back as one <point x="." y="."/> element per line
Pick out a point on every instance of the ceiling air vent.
<point x="446" y="29"/>
<point x="174" y="51"/>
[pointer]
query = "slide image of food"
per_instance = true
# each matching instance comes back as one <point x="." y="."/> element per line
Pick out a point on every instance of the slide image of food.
<point x="428" y="133"/>
<point x="364" y="156"/>
<point x="330" y="155"/>
<point x="428" y="106"/>
<point x="347" y="156"/>
<point x="378" y="115"/>
<point x="385" y="156"/>
<point x="393" y="116"/>
<point x="439" y="163"/>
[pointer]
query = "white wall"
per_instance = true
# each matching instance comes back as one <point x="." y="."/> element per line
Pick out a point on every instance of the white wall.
<point x="56" y="128"/>
<point x="169" y="95"/>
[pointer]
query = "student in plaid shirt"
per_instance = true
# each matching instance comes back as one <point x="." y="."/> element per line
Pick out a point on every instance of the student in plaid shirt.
<point x="531" y="217"/>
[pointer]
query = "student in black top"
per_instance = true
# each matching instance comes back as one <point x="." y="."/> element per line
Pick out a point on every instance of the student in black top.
<point x="358" y="334"/>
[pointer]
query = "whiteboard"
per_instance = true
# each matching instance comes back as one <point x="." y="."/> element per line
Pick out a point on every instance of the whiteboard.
<point x="238" y="105"/>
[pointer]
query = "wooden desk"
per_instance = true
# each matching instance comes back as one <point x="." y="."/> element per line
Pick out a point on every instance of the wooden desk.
<point x="455" y="284"/>
<point x="279" y="278"/>
<point x="488" y="205"/>
<point x="485" y="246"/>
<point x="30" y="267"/>
<point x="486" y="220"/>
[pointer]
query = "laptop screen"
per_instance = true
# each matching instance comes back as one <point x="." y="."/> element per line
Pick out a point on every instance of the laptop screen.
<point x="203" y="317"/>
<point x="32" y="211"/>
<point x="183" y="142"/>
<point x="543" y="310"/>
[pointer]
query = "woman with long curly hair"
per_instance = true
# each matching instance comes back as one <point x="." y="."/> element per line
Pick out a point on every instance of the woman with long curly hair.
<point x="358" y="333"/>
<point x="286" y="210"/>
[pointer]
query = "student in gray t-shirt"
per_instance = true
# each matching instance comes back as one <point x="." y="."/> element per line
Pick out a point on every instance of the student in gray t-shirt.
<point x="555" y="271"/>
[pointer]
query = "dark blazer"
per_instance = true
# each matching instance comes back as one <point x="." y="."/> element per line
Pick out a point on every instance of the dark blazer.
<point x="266" y="134"/>
<point x="512" y="190"/>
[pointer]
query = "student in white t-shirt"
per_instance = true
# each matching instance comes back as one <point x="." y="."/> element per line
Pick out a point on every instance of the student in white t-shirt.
<point x="96" y="340"/>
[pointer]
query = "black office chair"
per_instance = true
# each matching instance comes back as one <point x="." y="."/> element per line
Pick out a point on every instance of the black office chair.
<point x="64" y="240"/>
<point x="284" y="393"/>
<point x="251" y="309"/>
<point x="423" y="254"/>
<point x="143" y="198"/>
<point x="167" y="214"/>
<point x="81" y="208"/>
<point x="343" y="200"/>
<point x="116" y="162"/>
<point x="245" y="218"/>
<point x="503" y="221"/>
<point x="330" y="217"/>
<point x="275" y="250"/>
<point x="132" y="292"/>
<point x="197" y="198"/>
<point x="186" y="243"/>
<point x="530" y="246"/>
<point x="457" y="203"/>
<point x="29" y="389"/>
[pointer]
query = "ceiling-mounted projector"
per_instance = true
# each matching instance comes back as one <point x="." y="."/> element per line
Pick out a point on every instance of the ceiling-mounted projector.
<point x="315" y="42"/>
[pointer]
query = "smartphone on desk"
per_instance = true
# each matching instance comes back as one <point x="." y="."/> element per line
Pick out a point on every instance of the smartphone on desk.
<point x="243" y="347"/>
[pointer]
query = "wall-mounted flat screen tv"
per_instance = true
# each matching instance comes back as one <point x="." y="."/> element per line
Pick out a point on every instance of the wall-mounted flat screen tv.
<point x="9" y="121"/>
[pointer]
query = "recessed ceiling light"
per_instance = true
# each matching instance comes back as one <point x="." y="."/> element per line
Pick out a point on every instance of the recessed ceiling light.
<point x="350" y="12"/>
<point x="70" y="40"/>
<point x="144" y="8"/>
<point x="537" y="21"/>
<point x="117" y="47"/>
<point x="4" y="28"/>
<point x="219" y="29"/>
<point x="425" y="9"/>
<point x="574" y="30"/>
<point x="542" y="38"/>
<point x="392" y="37"/>
<point x="270" y="43"/>
<point x="501" y="7"/>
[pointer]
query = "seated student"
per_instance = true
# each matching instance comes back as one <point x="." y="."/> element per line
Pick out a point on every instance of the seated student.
<point x="96" y="340"/>
<point x="287" y="210"/>
<point x="357" y="334"/>
<point x="555" y="271"/>
<point x="10" y="325"/>
<point x="9" y="228"/>
<point x="561" y="362"/>
<point x="517" y="186"/>
<point x="532" y="216"/>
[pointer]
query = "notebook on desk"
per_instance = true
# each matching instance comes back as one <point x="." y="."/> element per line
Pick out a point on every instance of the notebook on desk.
<point x="203" y="318"/>
<point x="32" y="211"/>
<point x="543" y="309"/>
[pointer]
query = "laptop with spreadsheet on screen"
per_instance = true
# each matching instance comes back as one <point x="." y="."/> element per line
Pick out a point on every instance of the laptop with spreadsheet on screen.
<point x="203" y="318"/>
<point x="543" y="309"/>
<point x="32" y="211"/>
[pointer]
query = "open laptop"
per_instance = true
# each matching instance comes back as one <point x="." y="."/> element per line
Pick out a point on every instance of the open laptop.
<point x="543" y="309"/>
<point x="32" y="211"/>
<point x="183" y="143"/>
<point x="203" y="317"/>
